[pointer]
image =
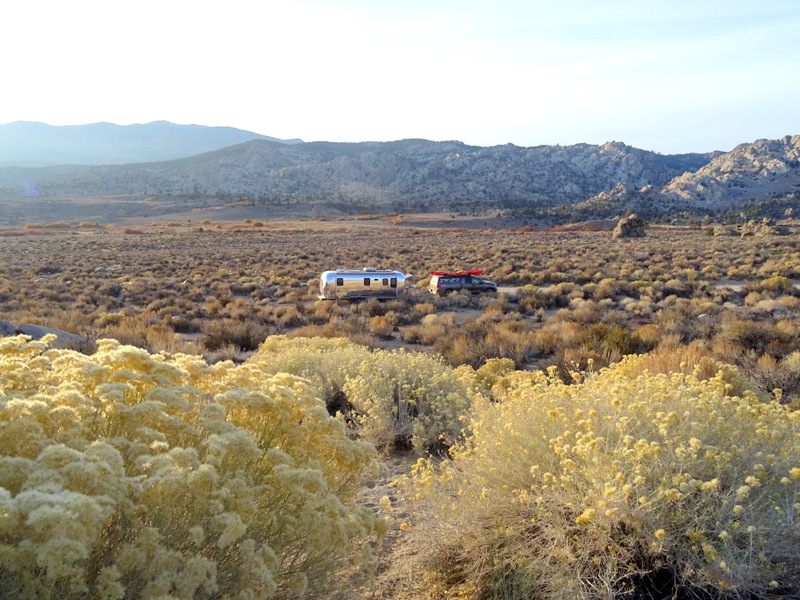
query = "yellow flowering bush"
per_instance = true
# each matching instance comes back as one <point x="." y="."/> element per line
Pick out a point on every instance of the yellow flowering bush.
<point x="130" y="475"/>
<point x="620" y="484"/>
<point x="389" y="398"/>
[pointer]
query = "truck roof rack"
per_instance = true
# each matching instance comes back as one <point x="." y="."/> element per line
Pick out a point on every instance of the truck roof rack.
<point x="456" y="273"/>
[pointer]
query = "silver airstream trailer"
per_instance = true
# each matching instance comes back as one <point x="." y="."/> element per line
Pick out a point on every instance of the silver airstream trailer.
<point x="352" y="284"/>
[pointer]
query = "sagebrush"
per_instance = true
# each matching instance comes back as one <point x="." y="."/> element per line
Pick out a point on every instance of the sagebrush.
<point x="624" y="485"/>
<point x="130" y="475"/>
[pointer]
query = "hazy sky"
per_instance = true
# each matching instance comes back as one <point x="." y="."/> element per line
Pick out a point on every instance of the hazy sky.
<point x="671" y="75"/>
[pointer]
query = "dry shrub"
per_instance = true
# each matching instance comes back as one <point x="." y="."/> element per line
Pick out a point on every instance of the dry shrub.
<point x="324" y="310"/>
<point x="673" y="357"/>
<point x="607" y="338"/>
<point x="776" y="285"/>
<point x="555" y="335"/>
<point x="458" y="349"/>
<point x="383" y="325"/>
<point x="395" y="399"/>
<point x="472" y="342"/>
<point x="533" y="298"/>
<point x="71" y="321"/>
<point x="573" y="361"/>
<point x="748" y="334"/>
<point x="512" y="340"/>
<point x="650" y="333"/>
<point x="158" y="476"/>
<point x="586" y="311"/>
<point x="310" y="331"/>
<point x="129" y="331"/>
<point x="432" y="328"/>
<point x="781" y="377"/>
<point x="788" y="303"/>
<point x="246" y="335"/>
<point x="787" y="331"/>
<point x="371" y="307"/>
<point x="239" y="308"/>
<point x="106" y="319"/>
<point x="755" y="298"/>
<point x="425" y="308"/>
<point x="623" y="485"/>
<point x="287" y="317"/>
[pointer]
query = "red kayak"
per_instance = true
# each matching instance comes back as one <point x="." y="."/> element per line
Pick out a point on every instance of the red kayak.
<point x="456" y="273"/>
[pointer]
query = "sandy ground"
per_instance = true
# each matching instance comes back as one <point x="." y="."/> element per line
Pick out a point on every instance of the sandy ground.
<point x="397" y="577"/>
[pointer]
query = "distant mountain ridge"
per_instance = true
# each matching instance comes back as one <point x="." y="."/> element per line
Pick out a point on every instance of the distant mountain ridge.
<point x="558" y="182"/>
<point x="34" y="144"/>
<point x="411" y="172"/>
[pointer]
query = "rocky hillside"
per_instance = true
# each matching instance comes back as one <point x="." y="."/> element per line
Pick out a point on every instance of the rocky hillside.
<point x="760" y="178"/>
<point x="565" y="182"/>
<point x="747" y="173"/>
<point x="409" y="172"/>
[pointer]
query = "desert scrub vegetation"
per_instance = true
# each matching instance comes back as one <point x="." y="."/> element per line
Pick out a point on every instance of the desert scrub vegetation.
<point x="125" y="474"/>
<point x="396" y="400"/>
<point x="625" y="484"/>
<point x="566" y="298"/>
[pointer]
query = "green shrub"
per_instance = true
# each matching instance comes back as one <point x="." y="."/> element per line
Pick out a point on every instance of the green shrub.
<point x="604" y="337"/>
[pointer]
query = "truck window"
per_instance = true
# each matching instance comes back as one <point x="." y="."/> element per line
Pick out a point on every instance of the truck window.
<point x="340" y="281"/>
<point x="366" y="281"/>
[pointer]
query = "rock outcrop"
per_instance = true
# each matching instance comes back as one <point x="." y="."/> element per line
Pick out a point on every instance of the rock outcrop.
<point x="762" y="228"/>
<point x="63" y="339"/>
<point x="756" y="171"/>
<point x="631" y="226"/>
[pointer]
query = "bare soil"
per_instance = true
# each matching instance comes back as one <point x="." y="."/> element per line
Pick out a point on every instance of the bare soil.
<point x="397" y="576"/>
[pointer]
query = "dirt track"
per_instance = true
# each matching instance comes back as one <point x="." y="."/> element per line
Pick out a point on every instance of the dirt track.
<point x="397" y="578"/>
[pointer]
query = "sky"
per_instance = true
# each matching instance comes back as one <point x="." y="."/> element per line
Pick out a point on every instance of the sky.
<point x="670" y="76"/>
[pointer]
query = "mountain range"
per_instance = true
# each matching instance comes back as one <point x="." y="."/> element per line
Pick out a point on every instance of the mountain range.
<point x="34" y="144"/>
<point x="557" y="182"/>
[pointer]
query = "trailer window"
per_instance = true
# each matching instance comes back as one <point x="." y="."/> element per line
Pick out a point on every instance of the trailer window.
<point x="340" y="281"/>
<point x="394" y="282"/>
<point x="385" y="281"/>
<point x="366" y="281"/>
